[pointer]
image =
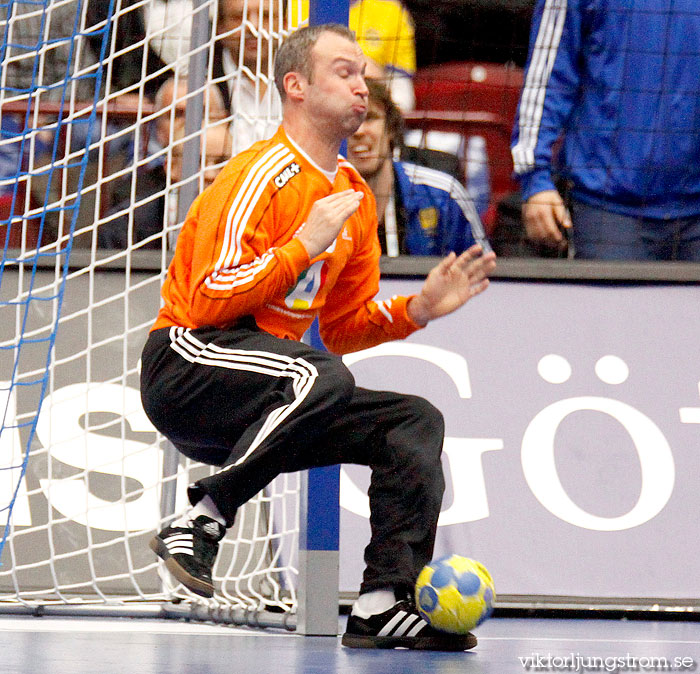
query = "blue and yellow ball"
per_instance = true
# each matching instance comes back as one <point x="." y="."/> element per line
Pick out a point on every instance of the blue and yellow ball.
<point x="455" y="594"/>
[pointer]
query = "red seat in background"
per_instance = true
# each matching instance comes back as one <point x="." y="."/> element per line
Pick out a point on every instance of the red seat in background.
<point x="472" y="98"/>
<point x="469" y="86"/>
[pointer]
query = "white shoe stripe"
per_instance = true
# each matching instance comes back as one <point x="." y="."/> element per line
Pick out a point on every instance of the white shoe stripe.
<point x="417" y="627"/>
<point x="405" y="627"/>
<point x="175" y="550"/>
<point x="388" y="628"/>
<point x="179" y="538"/>
<point x="179" y="544"/>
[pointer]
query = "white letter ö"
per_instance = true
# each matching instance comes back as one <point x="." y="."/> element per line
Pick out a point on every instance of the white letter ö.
<point x="655" y="457"/>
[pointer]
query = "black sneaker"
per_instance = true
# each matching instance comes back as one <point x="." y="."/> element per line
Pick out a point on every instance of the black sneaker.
<point x="402" y="627"/>
<point x="189" y="552"/>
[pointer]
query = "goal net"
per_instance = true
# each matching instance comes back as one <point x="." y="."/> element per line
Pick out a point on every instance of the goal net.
<point x="97" y="107"/>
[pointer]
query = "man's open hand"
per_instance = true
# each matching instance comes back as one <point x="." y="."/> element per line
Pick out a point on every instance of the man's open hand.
<point x="326" y="218"/>
<point x="453" y="282"/>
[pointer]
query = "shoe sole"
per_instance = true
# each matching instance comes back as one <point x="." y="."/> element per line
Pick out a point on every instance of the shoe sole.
<point x="449" y="643"/>
<point x="199" y="587"/>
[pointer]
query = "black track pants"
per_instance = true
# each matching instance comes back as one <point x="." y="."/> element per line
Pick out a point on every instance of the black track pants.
<point x="259" y="406"/>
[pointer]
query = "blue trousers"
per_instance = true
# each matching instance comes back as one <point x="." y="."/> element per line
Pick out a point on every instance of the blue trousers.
<point x="600" y="234"/>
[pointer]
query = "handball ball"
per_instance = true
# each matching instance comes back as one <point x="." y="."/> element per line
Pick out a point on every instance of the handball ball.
<point x="454" y="594"/>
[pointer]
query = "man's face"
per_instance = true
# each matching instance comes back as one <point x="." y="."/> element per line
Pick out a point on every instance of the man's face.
<point x="176" y="118"/>
<point x="235" y="13"/>
<point x="217" y="149"/>
<point x="369" y="146"/>
<point x="216" y="144"/>
<point x="336" y="93"/>
<point x="169" y="120"/>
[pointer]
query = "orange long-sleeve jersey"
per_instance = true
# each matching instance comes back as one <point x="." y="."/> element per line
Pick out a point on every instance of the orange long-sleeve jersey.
<point x="237" y="255"/>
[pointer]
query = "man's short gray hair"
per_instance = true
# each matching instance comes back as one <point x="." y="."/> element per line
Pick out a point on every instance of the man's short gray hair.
<point x="295" y="53"/>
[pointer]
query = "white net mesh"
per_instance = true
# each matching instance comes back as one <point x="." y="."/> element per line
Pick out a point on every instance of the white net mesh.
<point x="91" y="186"/>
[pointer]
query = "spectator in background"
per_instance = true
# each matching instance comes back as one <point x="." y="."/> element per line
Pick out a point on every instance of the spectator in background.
<point x="242" y="28"/>
<point x="216" y="150"/>
<point x="385" y="31"/>
<point x="151" y="209"/>
<point x="171" y="104"/>
<point x="620" y="82"/>
<point x="46" y="75"/>
<point x="63" y="56"/>
<point x="128" y="31"/>
<point x="169" y="27"/>
<point x="421" y="211"/>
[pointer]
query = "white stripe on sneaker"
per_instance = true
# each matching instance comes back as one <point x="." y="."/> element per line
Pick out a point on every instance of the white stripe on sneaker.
<point x="388" y="628"/>
<point x="403" y="624"/>
<point x="182" y="544"/>
<point x="405" y="628"/>
<point x="417" y="627"/>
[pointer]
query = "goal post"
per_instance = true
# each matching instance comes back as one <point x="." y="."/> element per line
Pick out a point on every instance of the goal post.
<point x="319" y="544"/>
<point x="85" y="480"/>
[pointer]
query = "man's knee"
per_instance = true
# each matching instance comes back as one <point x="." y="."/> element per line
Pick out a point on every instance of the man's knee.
<point x="422" y="439"/>
<point x="429" y="419"/>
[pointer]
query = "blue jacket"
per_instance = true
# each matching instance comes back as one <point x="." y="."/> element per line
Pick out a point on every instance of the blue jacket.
<point x="437" y="213"/>
<point x="621" y="79"/>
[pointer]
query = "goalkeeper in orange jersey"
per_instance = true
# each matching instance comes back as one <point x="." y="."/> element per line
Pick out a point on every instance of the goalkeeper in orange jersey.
<point x="287" y="233"/>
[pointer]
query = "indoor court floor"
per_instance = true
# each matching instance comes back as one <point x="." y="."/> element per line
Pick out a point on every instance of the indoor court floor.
<point x="38" y="645"/>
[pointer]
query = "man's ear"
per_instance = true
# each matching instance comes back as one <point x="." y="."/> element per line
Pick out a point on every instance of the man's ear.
<point x="295" y="86"/>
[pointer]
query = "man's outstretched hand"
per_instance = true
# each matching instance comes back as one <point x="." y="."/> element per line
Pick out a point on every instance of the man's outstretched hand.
<point x="451" y="284"/>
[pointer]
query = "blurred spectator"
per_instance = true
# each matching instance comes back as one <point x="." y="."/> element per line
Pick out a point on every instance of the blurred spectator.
<point x="242" y="67"/>
<point x="128" y="34"/>
<point x="171" y="104"/>
<point x="63" y="66"/>
<point x="216" y="151"/>
<point x="620" y="82"/>
<point x="385" y="31"/>
<point x="169" y="24"/>
<point x="148" y="202"/>
<point x="28" y="27"/>
<point x="153" y="208"/>
<point x="421" y="211"/>
<point x="435" y="149"/>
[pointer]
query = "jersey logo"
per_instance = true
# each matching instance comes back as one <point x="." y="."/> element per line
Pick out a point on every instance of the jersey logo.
<point x="428" y="218"/>
<point x="372" y="37"/>
<point x="288" y="172"/>
<point x="304" y="292"/>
